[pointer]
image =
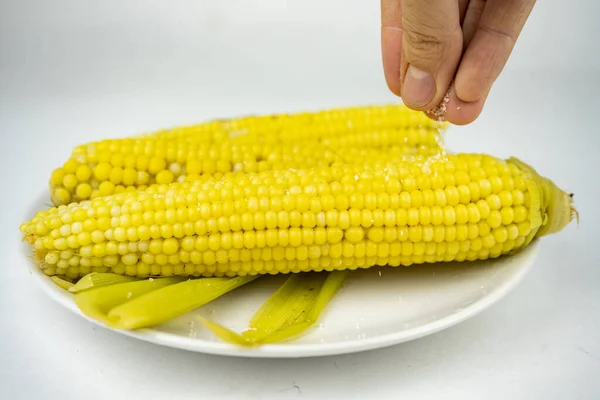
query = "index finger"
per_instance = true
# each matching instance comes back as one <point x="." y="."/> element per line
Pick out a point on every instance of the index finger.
<point x="492" y="44"/>
<point x="391" y="43"/>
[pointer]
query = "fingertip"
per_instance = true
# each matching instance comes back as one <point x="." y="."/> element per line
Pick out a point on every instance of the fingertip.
<point x="459" y="112"/>
<point x="466" y="90"/>
<point x="392" y="84"/>
<point x="391" y="52"/>
<point x="469" y="85"/>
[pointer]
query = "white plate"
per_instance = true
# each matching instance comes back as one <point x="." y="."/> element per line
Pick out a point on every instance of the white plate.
<point x="376" y="308"/>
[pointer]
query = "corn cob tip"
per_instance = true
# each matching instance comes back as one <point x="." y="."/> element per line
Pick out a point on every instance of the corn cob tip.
<point x="560" y="209"/>
<point x="556" y="205"/>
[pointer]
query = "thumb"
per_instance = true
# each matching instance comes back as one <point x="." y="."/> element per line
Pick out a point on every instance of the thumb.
<point x="431" y="50"/>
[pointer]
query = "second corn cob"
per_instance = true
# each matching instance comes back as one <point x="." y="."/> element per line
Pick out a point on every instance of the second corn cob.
<point x="250" y="144"/>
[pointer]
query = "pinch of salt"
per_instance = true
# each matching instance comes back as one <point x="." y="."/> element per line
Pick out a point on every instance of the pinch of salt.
<point x="440" y="110"/>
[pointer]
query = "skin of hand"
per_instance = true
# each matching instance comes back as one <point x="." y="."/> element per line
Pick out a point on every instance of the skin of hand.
<point x="432" y="46"/>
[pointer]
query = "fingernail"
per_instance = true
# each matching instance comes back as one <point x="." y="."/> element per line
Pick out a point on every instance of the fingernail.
<point x="419" y="87"/>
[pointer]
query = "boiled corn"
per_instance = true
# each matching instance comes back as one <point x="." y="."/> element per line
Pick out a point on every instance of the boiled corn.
<point x="452" y="208"/>
<point x="249" y="144"/>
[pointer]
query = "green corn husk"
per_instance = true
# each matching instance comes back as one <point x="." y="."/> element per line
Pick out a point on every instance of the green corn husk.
<point x="162" y="305"/>
<point x="62" y="282"/>
<point x="97" y="279"/>
<point x="286" y="306"/>
<point x="96" y="303"/>
<point x="125" y="303"/>
<point x="329" y="289"/>
<point x="226" y="335"/>
<point x="289" y="312"/>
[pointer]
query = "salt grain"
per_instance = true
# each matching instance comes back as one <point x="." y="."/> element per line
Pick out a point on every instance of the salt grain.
<point x="439" y="112"/>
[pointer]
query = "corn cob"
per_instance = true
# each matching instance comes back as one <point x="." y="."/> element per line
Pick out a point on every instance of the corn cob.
<point x="250" y="144"/>
<point x="307" y="125"/>
<point x="454" y="208"/>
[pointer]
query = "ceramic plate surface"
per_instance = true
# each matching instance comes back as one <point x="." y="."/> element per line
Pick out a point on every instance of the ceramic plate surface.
<point x="377" y="307"/>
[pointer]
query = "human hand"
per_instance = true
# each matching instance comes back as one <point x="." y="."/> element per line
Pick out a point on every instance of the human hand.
<point x="428" y="45"/>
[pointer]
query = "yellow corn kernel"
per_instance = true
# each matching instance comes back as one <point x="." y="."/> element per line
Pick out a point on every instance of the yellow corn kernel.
<point x="83" y="173"/>
<point x="57" y="177"/>
<point x="84" y="191"/>
<point x="164" y="177"/>
<point x="71" y="166"/>
<point x="102" y="172"/>
<point x="61" y="196"/>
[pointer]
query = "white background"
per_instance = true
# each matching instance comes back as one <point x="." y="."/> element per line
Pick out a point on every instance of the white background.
<point x="73" y="71"/>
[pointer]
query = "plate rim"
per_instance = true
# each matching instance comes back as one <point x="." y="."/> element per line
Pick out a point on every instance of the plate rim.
<point x="291" y="350"/>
